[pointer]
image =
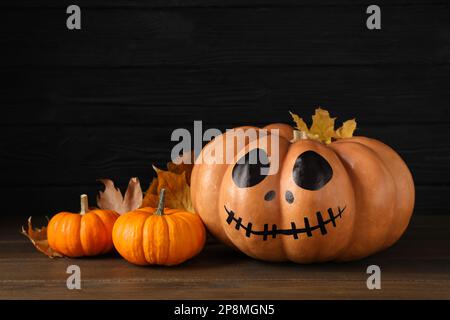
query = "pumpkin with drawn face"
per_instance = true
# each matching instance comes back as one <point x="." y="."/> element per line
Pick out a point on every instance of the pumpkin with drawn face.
<point x="339" y="201"/>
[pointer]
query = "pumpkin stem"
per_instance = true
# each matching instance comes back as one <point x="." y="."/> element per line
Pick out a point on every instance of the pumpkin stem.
<point x="160" y="210"/>
<point x="299" y="135"/>
<point x="84" y="204"/>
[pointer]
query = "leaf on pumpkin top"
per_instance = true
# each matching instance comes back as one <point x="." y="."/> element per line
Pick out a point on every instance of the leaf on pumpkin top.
<point x="303" y="127"/>
<point x="347" y="129"/>
<point x="300" y="124"/>
<point x="112" y="199"/>
<point x="38" y="238"/>
<point x="178" y="195"/>
<point x="322" y="127"/>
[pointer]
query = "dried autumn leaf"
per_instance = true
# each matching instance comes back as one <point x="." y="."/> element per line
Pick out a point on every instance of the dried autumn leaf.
<point x="347" y="129"/>
<point x="300" y="124"/>
<point x="112" y="199"/>
<point x="183" y="164"/>
<point x="303" y="127"/>
<point x="38" y="238"/>
<point x="178" y="195"/>
<point x="152" y="189"/>
<point x="322" y="127"/>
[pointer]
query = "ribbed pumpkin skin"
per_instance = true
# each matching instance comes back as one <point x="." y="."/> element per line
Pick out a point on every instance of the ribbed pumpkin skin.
<point x="369" y="180"/>
<point x="76" y="235"/>
<point x="144" y="238"/>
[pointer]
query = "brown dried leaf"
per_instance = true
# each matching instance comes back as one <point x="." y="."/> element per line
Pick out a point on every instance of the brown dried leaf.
<point x="181" y="168"/>
<point x="183" y="164"/>
<point x="153" y="186"/>
<point x="112" y="199"/>
<point x="38" y="238"/>
<point x="178" y="195"/>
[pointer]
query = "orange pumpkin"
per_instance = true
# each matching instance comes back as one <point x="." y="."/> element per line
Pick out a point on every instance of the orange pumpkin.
<point x="161" y="236"/>
<point x="341" y="201"/>
<point x="87" y="233"/>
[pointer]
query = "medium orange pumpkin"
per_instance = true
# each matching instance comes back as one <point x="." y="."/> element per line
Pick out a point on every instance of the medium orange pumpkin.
<point x="341" y="201"/>
<point x="87" y="233"/>
<point x="161" y="236"/>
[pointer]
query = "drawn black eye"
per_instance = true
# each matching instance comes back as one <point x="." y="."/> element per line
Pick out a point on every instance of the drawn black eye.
<point x="311" y="171"/>
<point x="251" y="169"/>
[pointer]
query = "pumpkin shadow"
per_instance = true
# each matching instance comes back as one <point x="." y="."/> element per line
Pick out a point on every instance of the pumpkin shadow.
<point x="107" y="256"/>
<point x="216" y="254"/>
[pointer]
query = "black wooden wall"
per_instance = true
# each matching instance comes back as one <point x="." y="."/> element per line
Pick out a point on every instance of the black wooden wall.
<point x="103" y="101"/>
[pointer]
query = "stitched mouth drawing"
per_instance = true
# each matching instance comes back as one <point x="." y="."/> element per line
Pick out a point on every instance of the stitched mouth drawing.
<point x="293" y="231"/>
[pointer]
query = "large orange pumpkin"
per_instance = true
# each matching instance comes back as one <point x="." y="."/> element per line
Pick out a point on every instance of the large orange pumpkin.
<point x="159" y="236"/>
<point x="341" y="201"/>
<point x="87" y="233"/>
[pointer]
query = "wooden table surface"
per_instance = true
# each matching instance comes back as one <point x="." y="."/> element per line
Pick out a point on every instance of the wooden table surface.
<point x="418" y="266"/>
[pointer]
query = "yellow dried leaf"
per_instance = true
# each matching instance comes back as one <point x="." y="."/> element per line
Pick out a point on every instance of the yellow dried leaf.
<point x="38" y="238"/>
<point x="300" y="124"/>
<point x="323" y="125"/>
<point x="347" y="129"/>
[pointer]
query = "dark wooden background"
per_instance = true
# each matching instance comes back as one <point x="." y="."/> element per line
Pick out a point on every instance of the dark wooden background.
<point x="103" y="101"/>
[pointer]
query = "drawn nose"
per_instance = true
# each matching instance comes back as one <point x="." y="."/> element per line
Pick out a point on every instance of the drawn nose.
<point x="289" y="197"/>
<point x="311" y="171"/>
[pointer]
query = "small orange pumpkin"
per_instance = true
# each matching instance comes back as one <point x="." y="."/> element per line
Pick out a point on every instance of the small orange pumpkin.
<point x="87" y="233"/>
<point x="161" y="236"/>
